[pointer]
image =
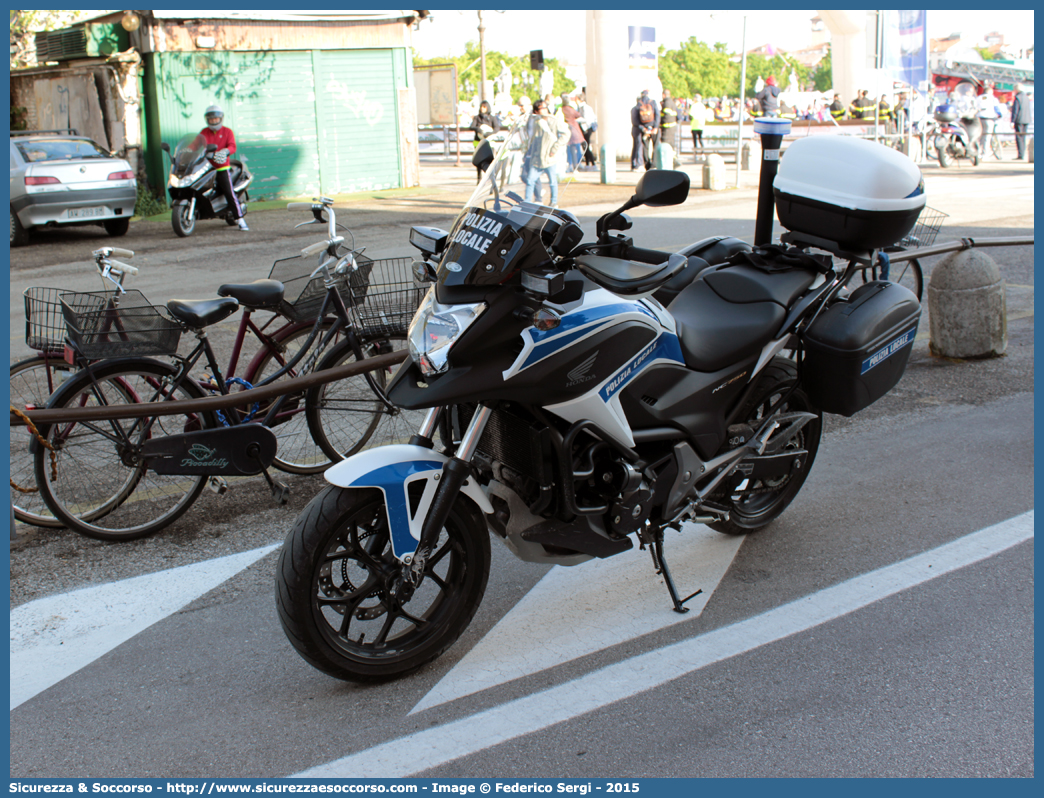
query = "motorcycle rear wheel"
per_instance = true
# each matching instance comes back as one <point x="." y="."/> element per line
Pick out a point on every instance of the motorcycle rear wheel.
<point x="942" y="146"/>
<point x="182" y="221"/>
<point x="767" y="499"/>
<point x="334" y="585"/>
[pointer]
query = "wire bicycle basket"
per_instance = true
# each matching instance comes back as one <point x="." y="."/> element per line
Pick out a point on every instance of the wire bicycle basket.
<point x="44" y="323"/>
<point x="303" y="295"/>
<point x="392" y="299"/>
<point x="927" y="228"/>
<point x="106" y="324"/>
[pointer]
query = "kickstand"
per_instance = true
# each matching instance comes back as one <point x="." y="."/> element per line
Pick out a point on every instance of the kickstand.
<point x="656" y="550"/>
<point x="280" y="492"/>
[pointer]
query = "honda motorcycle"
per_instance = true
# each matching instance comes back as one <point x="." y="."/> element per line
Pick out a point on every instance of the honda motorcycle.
<point x="585" y="397"/>
<point x="194" y="192"/>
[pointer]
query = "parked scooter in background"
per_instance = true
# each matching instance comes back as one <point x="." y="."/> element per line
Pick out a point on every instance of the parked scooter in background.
<point x="957" y="135"/>
<point x="194" y="192"/>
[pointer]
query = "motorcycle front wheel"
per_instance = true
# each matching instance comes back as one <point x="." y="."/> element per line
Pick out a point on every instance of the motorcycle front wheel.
<point x="183" y="222"/>
<point x="753" y="504"/>
<point x="339" y="593"/>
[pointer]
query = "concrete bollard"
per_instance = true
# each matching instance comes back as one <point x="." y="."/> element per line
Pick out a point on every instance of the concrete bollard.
<point x="663" y="158"/>
<point x="751" y="153"/>
<point x="714" y="173"/>
<point x="967" y="310"/>
<point x="1029" y="149"/>
<point x="607" y="163"/>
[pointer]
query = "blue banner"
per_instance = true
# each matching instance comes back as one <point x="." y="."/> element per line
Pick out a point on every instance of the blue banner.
<point x="641" y="47"/>
<point x="905" y="46"/>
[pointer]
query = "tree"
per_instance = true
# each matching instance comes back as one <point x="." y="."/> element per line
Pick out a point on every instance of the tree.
<point x="823" y="77"/>
<point x="523" y="79"/>
<point x="26" y="24"/>
<point x="697" y="68"/>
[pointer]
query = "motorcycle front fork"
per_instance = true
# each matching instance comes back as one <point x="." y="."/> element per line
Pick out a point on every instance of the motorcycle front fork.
<point x="454" y="473"/>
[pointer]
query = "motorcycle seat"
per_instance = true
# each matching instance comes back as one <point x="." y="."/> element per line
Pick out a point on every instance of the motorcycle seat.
<point x="258" y="295"/>
<point x="745" y="284"/>
<point x="730" y="313"/>
<point x="199" y="313"/>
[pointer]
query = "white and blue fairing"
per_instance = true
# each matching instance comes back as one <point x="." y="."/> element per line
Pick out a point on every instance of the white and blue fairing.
<point x="393" y="470"/>
<point x="596" y="311"/>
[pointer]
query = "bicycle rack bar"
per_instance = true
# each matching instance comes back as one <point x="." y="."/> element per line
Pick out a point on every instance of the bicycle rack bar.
<point x="211" y="403"/>
<point x="957" y="246"/>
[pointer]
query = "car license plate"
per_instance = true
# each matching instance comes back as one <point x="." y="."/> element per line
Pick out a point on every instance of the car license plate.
<point x="85" y="213"/>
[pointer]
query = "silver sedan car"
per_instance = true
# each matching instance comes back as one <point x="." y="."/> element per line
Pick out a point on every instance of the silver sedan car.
<point x="61" y="178"/>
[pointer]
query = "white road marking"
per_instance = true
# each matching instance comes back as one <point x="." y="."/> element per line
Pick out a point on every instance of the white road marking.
<point x="441" y="744"/>
<point x="585" y="608"/>
<point x="53" y="637"/>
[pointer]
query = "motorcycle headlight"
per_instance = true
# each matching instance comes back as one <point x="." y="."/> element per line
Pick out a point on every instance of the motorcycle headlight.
<point x="435" y="328"/>
<point x="189" y="179"/>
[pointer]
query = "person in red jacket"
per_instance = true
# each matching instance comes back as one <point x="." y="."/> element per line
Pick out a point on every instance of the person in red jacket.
<point x="225" y="140"/>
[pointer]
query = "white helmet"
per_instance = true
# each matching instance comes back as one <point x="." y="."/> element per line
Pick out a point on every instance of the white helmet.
<point x="215" y="113"/>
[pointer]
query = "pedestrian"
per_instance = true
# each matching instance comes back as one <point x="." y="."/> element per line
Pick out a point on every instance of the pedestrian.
<point x="668" y="120"/>
<point x="589" y="125"/>
<point x="645" y="123"/>
<point x="575" y="147"/>
<point x="698" y="114"/>
<point x="1021" y="118"/>
<point x="857" y="110"/>
<point x="837" y="109"/>
<point x="989" y="113"/>
<point x="549" y="136"/>
<point x="768" y="98"/>
<point x="485" y="124"/>
<point x="225" y="140"/>
<point x="884" y="113"/>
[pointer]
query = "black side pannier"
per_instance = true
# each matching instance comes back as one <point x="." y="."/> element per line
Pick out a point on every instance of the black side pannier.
<point x="857" y="348"/>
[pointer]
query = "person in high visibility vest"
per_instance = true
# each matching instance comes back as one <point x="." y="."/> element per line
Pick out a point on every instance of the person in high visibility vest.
<point x="668" y="120"/>
<point x="857" y="110"/>
<point x="837" y="108"/>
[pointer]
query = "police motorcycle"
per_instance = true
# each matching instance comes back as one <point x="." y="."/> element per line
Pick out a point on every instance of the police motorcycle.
<point x="585" y="397"/>
<point x="957" y="134"/>
<point x="194" y="192"/>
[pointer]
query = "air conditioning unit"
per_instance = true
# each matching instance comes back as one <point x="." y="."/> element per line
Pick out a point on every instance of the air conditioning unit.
<point x="88" y="40"/>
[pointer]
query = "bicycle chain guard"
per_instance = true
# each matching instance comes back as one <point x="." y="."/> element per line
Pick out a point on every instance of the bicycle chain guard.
<point x="243" y="450"/>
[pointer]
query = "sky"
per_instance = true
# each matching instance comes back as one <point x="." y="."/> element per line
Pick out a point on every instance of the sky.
<point x="560" y="34"/>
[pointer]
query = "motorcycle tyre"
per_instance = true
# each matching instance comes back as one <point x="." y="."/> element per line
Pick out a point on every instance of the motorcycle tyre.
<point x="776" y="378"/>
<point x="974" y="155"/>
<point x="183" y="226"/>
<point x="300" y="575"/>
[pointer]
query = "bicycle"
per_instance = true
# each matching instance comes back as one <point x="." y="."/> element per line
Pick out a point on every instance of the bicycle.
<point x="908" y="273"/>
<point x="35" y="378"/>
<point x="125" y="479"/>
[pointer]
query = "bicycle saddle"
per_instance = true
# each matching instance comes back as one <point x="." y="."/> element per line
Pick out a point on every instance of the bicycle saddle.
<point x="258" y="295"/>
<point x="200" y="313"/>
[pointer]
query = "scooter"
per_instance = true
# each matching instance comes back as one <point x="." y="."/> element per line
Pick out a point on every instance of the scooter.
<point x="193" y="187"/>
<point x="956" y="136"/>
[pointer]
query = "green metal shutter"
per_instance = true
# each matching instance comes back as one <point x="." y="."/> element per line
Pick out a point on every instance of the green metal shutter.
<point x="358" y="120"/>
<point x="305" y="122"/>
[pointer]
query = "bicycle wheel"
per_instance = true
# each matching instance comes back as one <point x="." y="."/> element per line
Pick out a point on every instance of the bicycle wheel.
<point x="907" y="274"/>
<point x="343" y="415"/>
<point x="297" y="452"/>
<point x="103" y="488"/>
<point x="32" y="382"/>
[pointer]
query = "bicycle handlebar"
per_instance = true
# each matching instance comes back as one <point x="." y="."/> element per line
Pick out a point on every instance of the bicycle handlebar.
<point x="126" y="268"/>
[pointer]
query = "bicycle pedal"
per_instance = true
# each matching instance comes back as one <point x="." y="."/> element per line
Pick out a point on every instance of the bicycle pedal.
<point x="280" y="492"/>
<point x="218" y="486"/>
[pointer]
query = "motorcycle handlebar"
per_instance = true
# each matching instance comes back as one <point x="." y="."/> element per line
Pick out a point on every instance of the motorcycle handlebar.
<point x="654" y="257"/>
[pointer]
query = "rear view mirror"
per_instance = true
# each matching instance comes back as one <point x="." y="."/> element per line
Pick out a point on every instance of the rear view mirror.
<point x="659" y="187"/>
<point x="483" y="156"/>
<point x="212" y="148"/>
<point x="165" y="147"/>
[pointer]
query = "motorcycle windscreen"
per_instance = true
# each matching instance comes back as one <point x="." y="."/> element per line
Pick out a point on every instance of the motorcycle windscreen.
<point x="498" y="230"/>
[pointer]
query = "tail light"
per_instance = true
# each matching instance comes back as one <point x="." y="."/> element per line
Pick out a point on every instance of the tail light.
<point x="121" y="176"/>
<point x="40" y="181"/>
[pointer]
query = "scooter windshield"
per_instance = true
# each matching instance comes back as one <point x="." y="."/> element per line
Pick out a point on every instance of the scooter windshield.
<point x="499" y="229"/>
<point x="189" y="152"/>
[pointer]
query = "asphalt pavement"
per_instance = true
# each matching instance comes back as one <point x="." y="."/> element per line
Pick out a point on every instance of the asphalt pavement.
<point x="187" y="673"/>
